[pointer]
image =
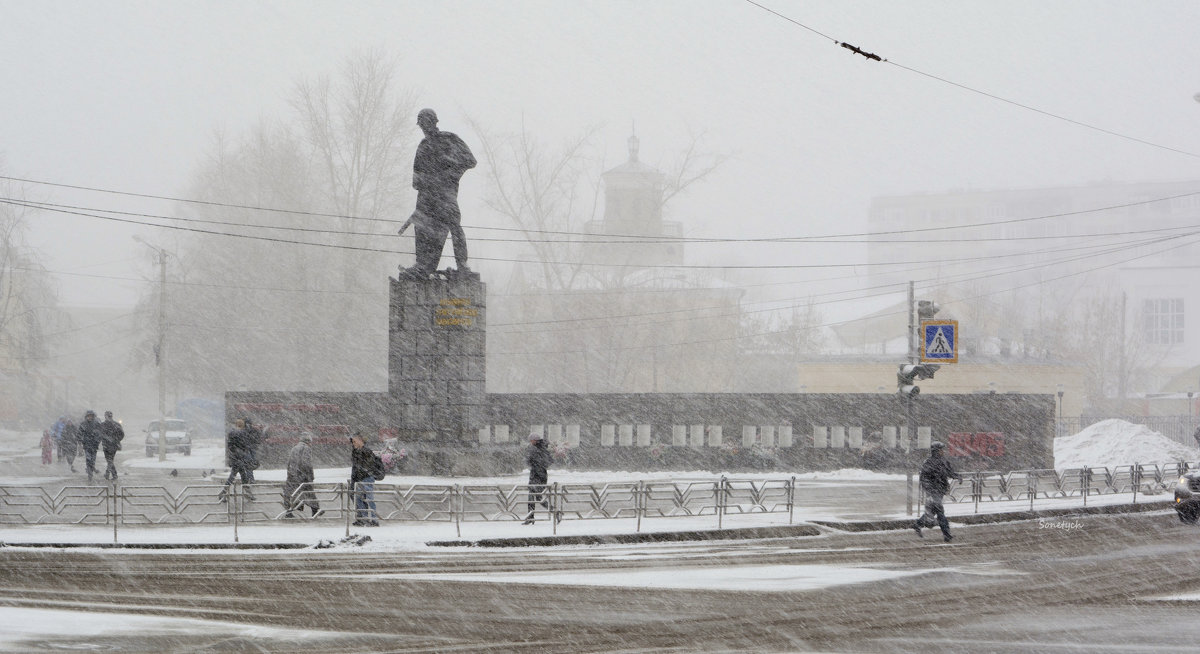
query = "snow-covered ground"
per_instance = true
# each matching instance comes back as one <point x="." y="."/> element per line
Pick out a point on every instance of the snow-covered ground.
<point x="1118" y="443"/>
<point x="743" y="578"/>
<point x="19" y="626"/>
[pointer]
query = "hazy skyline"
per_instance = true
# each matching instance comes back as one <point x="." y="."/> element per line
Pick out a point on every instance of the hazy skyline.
<point x="128" y="96"/>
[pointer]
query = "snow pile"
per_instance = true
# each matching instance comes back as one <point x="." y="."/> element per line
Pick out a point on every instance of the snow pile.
<point x="1118" y="443"/>
<point x="851" y="474"/>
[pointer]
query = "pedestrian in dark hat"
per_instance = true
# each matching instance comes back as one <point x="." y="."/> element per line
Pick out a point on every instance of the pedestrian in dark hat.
<point x="239" y="449"/>
<point x="89" y="438"/>
<point x="111" y="435"/>
<point x="538" y="458"/>
<point x="936" y="474"/>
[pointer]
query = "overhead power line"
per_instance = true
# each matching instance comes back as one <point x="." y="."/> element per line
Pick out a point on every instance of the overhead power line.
<point x="621" y="237"/>
<point x="628" y="348"/>
<point x="978" y="275"/>
<point x="854" y="295"/>
<point x="33" y="205"/>
<point x="956" y="278"/>
<point x="588" y="239"/>
<point x="971" y="89"/>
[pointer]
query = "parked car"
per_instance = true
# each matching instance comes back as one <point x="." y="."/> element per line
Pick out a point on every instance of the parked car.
<point x="1187" y="497"/>
<point x="178" y="437"/>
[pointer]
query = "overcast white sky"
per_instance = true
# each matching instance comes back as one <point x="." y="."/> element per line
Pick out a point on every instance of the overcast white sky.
<point x="127" y="96"/>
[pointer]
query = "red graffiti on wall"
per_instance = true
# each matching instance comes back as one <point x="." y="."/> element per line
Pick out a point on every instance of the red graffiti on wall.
<point x="990" y="444"/>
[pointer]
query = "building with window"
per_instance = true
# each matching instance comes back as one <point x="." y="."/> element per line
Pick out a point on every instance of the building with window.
<point x="1133" y="244"/>
<point x="1028" y="235"/>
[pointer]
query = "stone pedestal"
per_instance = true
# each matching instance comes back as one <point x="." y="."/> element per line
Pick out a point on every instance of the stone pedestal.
<point x="436" y="350"/>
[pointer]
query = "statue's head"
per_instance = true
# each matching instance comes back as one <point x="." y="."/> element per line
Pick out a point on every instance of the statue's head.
<point x="427" y="119"/>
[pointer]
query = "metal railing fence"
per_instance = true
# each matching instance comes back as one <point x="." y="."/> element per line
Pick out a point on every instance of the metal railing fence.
<point x="119" y="505"/>
<point x="1082" y="483"/>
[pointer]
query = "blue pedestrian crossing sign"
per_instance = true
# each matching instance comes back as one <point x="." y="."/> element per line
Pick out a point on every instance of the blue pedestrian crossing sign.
<point x="939" y="341"/>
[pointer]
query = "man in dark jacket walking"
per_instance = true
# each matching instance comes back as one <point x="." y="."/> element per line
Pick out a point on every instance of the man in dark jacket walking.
<point x="365" y="468"/>
<point x="240" y="450"/>
<point x="538" y="458"/>
<point x="89" y="438"/>
<point x="297" y="489"/>
<point x="936" y="474"/>
<point x="111" y="435"/>
<point x="253" y="438"/>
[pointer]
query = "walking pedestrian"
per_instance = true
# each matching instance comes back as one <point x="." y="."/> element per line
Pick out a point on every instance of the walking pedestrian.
<point x="47" y="447"/>
<point x="254" y="439"/>
<point x="56" y="433"/>
<point x="538" y="458"/>
<point x="297" y="489"/>
<point x="70" y="443"/>
<point x="89" y="438"/>
<point x="111" y="435"/>
<point x="936" y="474"/>
<point x="240" y="451"/>
<point x="365" y="469"/>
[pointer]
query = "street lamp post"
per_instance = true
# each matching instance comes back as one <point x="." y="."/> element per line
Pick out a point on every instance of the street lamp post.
<point x="1190" y="393"/>
<point x="160" y="350"/>
<point x="1059" y="429"/>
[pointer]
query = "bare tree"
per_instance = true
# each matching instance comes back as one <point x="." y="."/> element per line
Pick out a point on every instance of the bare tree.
<point x="548" y="194"/>
<point x="541" y="191"/>
<point x="27" y="293"/>
<point x="255" y="307"/>
<point x="28" y="303"/>
<point x="360" y="129"/>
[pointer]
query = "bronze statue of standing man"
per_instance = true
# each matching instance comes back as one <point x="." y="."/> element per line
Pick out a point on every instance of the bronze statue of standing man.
<point x="442" y="158"/>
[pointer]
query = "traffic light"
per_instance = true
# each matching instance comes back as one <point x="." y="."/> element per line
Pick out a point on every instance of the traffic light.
<point x="926" y="310"/>
<point x="909" y="373"/>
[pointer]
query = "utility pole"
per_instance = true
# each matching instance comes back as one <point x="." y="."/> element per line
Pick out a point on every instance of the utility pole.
<point x="910" y="420"/>
<point x="160" y="349"/>
<point x="1121" y="362"/>
<point x="161" y="355"/>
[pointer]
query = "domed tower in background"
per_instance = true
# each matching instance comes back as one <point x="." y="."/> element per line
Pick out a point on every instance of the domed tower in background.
<point x="634" y="230"/>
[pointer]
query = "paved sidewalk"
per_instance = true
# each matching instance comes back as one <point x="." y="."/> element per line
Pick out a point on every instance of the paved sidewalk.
<point x="410" y="536"/>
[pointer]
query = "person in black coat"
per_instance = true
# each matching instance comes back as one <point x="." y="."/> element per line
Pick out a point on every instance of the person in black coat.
<point x="69" y="443"/>
<point x="111" y="435"/>
<point x="253" y="438"/>
<point x="538" y="458"/>
<point x="89" y="438"/>
<point x="365" y="468"/>
<point x="239" y="448"/>
<point x="936" y="474"/>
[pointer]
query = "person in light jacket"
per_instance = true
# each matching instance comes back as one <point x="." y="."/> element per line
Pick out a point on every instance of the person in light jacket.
<point x="297" y="489"/>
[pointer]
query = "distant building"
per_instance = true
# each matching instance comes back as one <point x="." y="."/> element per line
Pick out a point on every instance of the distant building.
<point x="633" y="231"/>
<point x="1019" y="228"/>
<point x="1083" y="236"/>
